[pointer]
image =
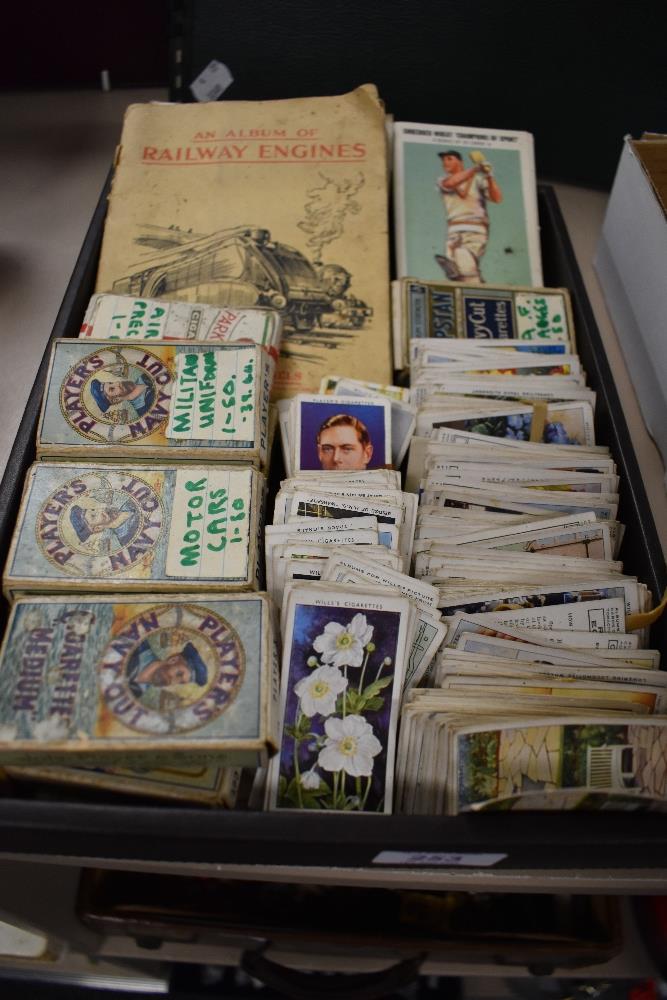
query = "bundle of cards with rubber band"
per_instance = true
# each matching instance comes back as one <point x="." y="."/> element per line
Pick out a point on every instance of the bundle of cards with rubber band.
<point x="547" y="402"/>
<point x="124" y="317"/>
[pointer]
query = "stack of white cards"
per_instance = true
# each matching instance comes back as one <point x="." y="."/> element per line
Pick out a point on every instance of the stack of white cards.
<point x="505" y="392"/>
<point x="542" y="691"/>
<point x="356" y="639"/>
<point x="315" y="510"/>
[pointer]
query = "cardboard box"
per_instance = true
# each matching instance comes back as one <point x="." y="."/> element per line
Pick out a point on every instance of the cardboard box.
<point x="172" y="402"/>
<point x="137" y="528"/>
<point x="139" y="682"/>
<point x="211" y="786"/>
<point x="631" y="263"/>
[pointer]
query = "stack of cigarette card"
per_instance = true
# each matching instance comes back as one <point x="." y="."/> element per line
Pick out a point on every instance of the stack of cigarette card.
<point x="368" y="507"/>
<point x="355" y="639"/>
<point x="549" y="405"/>
<point x="521" y="315"/>
<point x="542" y="694"/>
<point x="452" y="760"/>
<point x="125" y="317"/>
<point x="345" y="655"/>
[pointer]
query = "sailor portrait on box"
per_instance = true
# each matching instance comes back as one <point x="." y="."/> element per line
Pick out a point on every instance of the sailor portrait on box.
<point x="105" y="528"/>
<point x="149" y="671"/>
<point x="131" y="398"/>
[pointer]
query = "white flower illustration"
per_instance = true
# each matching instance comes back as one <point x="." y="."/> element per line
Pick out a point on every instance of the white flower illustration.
<point x="343" y="645"/>
<point x="350" y="746"/>
<point x="319" y="690"/>
<point x="310" y="780"/>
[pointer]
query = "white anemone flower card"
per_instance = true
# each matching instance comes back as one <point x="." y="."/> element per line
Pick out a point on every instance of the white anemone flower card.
<point x="342" y="675"/>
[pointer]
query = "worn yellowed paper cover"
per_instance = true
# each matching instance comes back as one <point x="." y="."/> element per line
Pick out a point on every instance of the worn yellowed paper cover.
<point x="280" y="204"/>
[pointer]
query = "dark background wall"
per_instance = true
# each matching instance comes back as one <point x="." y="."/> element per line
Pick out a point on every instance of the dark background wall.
<point x="66" y="43"/>
<point x="579" y="74"/>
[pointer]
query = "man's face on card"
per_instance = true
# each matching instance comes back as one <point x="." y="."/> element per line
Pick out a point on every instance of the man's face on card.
<point x="451" y="164"/>
<point x="98" y="518"/>
<point x="341" y="448"/>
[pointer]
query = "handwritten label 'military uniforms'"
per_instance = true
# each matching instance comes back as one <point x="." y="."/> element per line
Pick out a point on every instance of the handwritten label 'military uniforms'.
<point x="102" y="680"/>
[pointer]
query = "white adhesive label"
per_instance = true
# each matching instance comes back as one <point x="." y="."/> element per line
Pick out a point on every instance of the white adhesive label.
<point x="209" y="532"/>
<point x="121" y="317"/>
<point x="211" y="82"/>
<point x="437" y="859"/>
<point x="540" y="316"/>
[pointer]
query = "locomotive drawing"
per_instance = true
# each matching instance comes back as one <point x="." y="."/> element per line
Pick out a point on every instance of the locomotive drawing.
<point x="243" y="267"/>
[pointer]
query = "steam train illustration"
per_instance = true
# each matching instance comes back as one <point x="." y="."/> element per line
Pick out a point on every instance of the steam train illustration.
<point x="243" y="267"/>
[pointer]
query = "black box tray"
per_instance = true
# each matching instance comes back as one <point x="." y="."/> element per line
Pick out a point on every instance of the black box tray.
<point x="122" y="829"/>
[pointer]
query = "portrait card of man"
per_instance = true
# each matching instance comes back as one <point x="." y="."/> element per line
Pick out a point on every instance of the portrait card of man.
<point x="339" y="433"/>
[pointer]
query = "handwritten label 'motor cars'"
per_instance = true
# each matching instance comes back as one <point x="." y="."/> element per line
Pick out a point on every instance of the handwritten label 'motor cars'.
<point x="209" y="534"/>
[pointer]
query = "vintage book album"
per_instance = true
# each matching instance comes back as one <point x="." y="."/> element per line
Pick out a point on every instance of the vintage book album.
<point x="280" y="204"/>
